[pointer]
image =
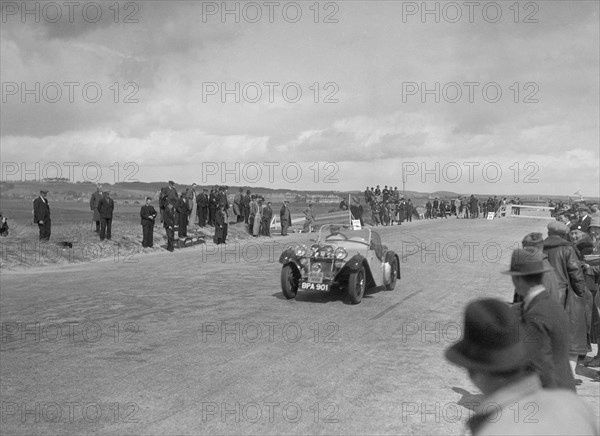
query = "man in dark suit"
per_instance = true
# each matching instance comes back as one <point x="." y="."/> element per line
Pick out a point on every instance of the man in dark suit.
<point x="41" y="215"/>
<point x="285" y="217"/>
<point x="202" y="209"/>
<point x="584" y="220"/>
<point x="106" y="206"/>
<point x="94" y="199"/>
<point x="148" y="215"/>
<point x="545" y="323"/>
<point x="182" y="215"/>
<point x="169" y="225"/>
<point x="168" y="194"/>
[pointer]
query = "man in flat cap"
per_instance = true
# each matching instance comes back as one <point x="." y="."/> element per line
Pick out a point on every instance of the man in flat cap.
<point x="106" y="206"/>
<point x="168" y="194"/>
<point x="572" y="288"/>
<point x="496" y="357"/>
<point x="202" y="208"/>
<point x="546" y="323"/>
<point x="41" y="215"/>
<point x="94" y="200"/>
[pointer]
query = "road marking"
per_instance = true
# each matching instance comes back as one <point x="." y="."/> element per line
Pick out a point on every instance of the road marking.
<point x="393" y="306"/>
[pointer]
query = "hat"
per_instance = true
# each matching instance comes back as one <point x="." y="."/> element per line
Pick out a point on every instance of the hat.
<point x="43" y="191"/>
<point x="595" y="222"/>
<point x="557" y="228"/>
<point x="171" y="182"/>
<point x="533" y="239"/>
<point x="491" y="339"/>
<point x="584" y="209"/>
<point x="148" y="198"/>
<point x="526" y="261"/>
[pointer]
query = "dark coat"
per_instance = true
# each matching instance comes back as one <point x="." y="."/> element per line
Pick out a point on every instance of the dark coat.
<point x="572" y="289"/>
<point x="148" y="214"/>
<point x="182" y="206"/>
<point x="94" y="199"/>
<point x="285" y="215"/>
<point x="583" y="225"/>
<point x="41" y="210"/>
<point x="106" y="205"/>
<point x="547" y="337"/>
<point x="202" y="200"/>
<point x="168" y="194"/>
<point x="169" y="218"/>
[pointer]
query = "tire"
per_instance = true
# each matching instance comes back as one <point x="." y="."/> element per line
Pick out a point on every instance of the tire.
<point x="394" y="275"/>
<point x="290" y="278"/>
<point x="356" y="285"/>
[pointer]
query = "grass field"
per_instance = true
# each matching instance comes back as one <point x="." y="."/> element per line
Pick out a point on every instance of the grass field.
<point x="72" y="223"/>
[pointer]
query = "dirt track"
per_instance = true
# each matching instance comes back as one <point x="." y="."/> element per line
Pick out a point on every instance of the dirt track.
<point x="187" y="343"/>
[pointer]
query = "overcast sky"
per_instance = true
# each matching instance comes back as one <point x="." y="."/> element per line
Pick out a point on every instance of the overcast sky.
<point x="330" y="95"/>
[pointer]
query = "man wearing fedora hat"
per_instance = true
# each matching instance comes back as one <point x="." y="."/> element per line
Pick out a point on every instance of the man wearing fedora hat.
<point x="535" y="241"/>
<point x="545" y="323"/>
<point x="496" y="357"/>
<point x="41" y="215"/>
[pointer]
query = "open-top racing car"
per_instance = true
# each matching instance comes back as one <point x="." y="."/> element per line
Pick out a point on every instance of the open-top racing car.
<point x="342" y="257"/>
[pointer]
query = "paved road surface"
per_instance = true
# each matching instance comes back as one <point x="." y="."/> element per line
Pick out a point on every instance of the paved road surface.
<point x="197" y="343"/>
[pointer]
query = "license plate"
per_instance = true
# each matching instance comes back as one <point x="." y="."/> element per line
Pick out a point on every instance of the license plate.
<point x="315" y="277"/>
<point x="308" y="286"/>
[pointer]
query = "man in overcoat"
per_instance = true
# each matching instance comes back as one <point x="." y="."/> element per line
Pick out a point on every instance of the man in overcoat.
<point x="106" y="206"/>
<point x="285" y="217"/>
<point x="94" y="200"/>
<point x="41" y="215"/>
<point x="148" y="215"/>
<point x="496" y="358"/>
<point x="572" y="288"/>
<point x="546" y="326"/>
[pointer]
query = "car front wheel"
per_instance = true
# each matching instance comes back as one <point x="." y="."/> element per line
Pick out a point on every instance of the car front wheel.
<point x="391" y="284"/>
<point x="290" y="278"/>
<point x="356" y="285"/>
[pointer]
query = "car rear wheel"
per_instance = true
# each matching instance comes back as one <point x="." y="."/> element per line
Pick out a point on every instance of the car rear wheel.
<point x="290" y="278"/>
<point x="391" y="284"/>
<point x="356" y="285"/>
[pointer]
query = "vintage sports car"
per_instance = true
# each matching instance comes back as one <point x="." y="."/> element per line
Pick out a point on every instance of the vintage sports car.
<point x="341" y="257"/>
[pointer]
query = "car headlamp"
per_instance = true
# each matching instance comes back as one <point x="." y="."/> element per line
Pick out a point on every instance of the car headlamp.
<point x="300" y="251"/>
<point x="340" y="253"/>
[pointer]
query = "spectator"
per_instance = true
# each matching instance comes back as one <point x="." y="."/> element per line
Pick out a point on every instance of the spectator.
<point x="41" y="215"/>
<point x="497" y="359"/>
<point x="545" y="322"/>
<point x="571" y="287"/>
<point x="3" y="226"/>
<point x="94" y="200"/>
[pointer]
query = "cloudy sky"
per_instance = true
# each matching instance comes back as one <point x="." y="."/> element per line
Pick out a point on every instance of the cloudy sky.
<point x="499" y="98"/>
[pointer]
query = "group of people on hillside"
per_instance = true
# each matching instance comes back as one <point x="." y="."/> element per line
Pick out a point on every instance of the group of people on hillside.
<point x="387" y="206"/>
<point x="529" y="353"/>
